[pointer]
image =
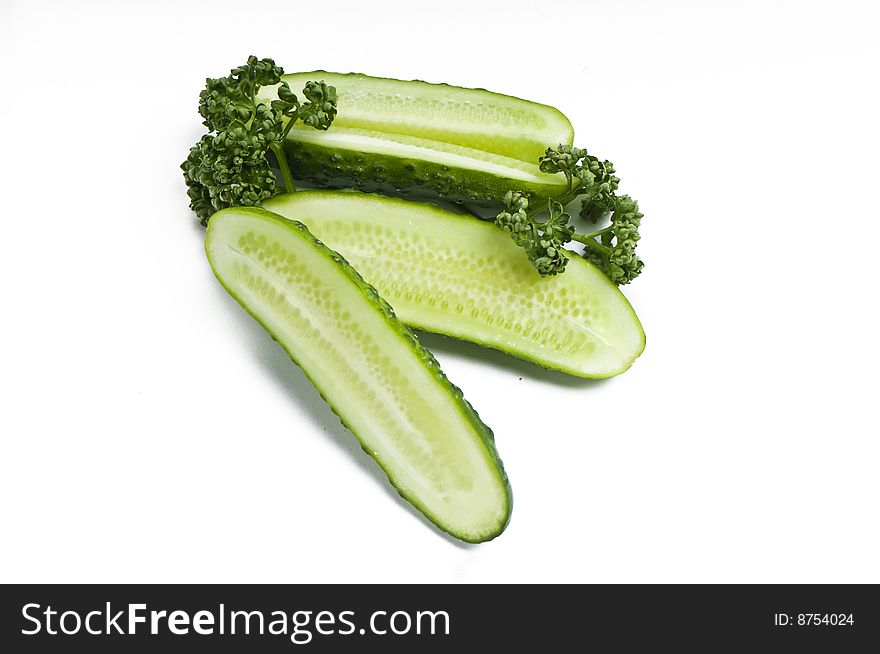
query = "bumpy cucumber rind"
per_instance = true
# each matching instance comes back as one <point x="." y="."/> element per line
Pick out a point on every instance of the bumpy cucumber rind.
<point x="334" y="167"/>
<point x="372" y="296"/>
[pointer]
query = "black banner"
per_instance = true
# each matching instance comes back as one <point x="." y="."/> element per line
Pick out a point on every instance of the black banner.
<point x="422" y="618"/>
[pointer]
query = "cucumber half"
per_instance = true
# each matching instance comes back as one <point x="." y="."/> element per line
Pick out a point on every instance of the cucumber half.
<point x="455" y="275"/>
<point x="386" y="388"/>
<point x="473" y="118"/>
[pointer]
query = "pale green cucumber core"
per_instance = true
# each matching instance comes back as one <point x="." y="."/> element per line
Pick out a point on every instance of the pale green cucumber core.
<point x="459" y="276"/>
<point x="473" y="118"/>
<point x="387" y="389"/>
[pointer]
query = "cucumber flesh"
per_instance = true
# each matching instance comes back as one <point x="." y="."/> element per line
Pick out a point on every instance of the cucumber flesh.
<point x="407" y="165"/>
<point x="455" y="275"/>
<point x="473" y="118"/>
<point x="386" y="388"/>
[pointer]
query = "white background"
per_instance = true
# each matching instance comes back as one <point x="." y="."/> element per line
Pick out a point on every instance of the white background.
<point x="152" y="432"/>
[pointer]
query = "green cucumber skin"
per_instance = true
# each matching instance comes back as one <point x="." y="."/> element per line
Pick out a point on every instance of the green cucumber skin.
<point x="291" y="205"/>
<point x="372" y="296"/>
<point x="532" y="126"/>
<point x="337" y="168"/>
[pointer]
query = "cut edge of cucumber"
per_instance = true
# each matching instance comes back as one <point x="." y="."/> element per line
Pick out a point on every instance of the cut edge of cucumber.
<point x="529" y="128"/>
<point x="545" y="365"/>
<point x="481" y="431"/>
<point x="282" y="204"/>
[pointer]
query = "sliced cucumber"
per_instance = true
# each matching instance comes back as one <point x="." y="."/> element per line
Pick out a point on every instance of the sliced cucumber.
<point x="371" y="369"/>
<point x="462" y="277"/>
<point x="411" y="166"/>
<point x="473" y="118"/>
